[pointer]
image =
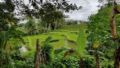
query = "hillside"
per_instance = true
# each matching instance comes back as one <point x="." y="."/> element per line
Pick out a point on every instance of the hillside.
<point x="66" y="37"/>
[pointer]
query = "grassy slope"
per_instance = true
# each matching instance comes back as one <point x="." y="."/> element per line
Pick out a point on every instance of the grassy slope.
<point x="71" y="32"/>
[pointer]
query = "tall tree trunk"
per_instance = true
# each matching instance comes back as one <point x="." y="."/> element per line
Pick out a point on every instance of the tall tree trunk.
<point x="114" y="35"/>
<point x="37" y="55"/>
<point x="117" y="58"/>
<point x="113" y="27"/>
<point x="97" y="60"/>
<point x="53" y="26"/>
<point x="113" y="23"/>
<point x="81" y="63"/>
<point x="49" y="27"/>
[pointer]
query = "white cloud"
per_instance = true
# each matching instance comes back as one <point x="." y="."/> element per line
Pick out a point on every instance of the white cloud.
<point x="89" y="7"/>
<point x="1" y="0"/>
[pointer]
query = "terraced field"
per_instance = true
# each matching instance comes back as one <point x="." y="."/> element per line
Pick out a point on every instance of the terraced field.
<point x="66" y="37"/>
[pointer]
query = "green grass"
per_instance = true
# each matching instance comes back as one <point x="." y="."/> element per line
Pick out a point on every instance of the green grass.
<point x="72" y="28"/>
<point x="70" y="32"/>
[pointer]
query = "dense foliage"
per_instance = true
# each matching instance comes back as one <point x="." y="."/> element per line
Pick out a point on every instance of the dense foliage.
<point x="46" y="40"/>
<point x="100" y="39"/>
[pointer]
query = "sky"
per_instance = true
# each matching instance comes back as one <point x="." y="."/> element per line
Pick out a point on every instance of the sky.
<point x="89" y="7"/>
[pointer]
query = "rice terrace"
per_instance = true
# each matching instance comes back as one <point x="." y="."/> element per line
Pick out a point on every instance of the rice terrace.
<point x="59" y="33"/>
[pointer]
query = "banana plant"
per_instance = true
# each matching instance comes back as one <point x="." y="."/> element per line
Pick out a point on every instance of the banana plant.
<point x="5" y="46"/>
<point x="80" y="48"/>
